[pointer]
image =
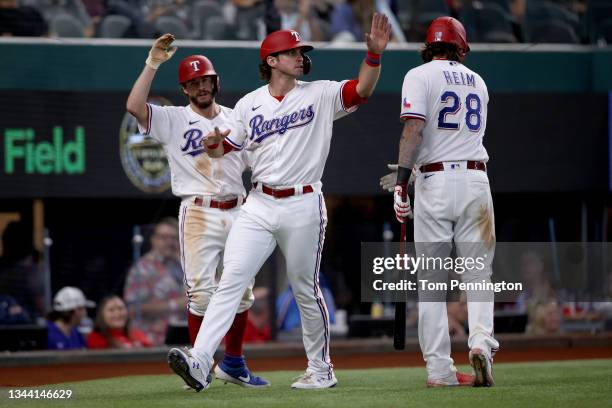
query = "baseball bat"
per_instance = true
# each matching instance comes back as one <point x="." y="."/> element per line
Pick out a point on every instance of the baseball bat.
<point x="399" y="327"/>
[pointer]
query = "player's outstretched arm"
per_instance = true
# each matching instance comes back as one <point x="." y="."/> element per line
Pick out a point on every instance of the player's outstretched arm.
<point x="376" y="40"/>
<point x="213" y="142"/>
<point x="161" y="52"/>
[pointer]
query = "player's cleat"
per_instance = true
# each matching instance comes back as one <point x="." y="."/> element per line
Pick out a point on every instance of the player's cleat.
<point x="309" y="380"/>
<point x="188" y="368"/>
<point x="234" y="370"/>
<point x="461" y="380"/>
<point x="483" y="368"/>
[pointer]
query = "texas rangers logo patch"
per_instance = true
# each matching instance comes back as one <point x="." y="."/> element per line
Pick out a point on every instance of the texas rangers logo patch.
<point x="406" y="103"/>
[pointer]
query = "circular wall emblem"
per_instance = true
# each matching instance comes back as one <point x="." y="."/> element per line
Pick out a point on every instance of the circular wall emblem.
<point x="142" y="157"/>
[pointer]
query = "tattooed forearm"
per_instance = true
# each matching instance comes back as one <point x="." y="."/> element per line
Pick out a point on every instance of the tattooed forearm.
<point x="410" y="142"/>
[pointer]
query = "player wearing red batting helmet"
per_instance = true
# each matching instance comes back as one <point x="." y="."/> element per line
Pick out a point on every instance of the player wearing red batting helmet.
<point x="193" y="71"/>
<point x="445" y="31"/>
<point x="211" y="193"/>
<point x="444" y="108"/>
<point x="281" y="41"/>
<point x="286" y="128"/>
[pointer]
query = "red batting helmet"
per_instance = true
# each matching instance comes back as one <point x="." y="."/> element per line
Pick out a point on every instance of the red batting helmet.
<point x="448" y="30"/>
<point x="195" y="66"/>
<point x="282" y="40"/>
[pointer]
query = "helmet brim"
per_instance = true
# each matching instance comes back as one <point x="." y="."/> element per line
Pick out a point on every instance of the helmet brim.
<point x="304" y="47"/>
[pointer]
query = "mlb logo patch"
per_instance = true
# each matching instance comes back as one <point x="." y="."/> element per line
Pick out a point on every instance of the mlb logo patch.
<point x="406" y="103"/>
<point x="438" y="36"/>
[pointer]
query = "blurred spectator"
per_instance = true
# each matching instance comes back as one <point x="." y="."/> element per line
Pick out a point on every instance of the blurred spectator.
<point x="95" y="8"/>
<point x="112" y="327"/>
<point x="11" y="312"/>
<point x="350" y="20"/>
<point x="537" y="285"/>
<point x="20" y="275"/>
<point x="154" y="285"/>
<point x="62" y="323"/>
<point x="258" y="324"/>
<point x="20" y="21"/>
<point x="249" y="19"/>
<point x="158" y="8"/>
<point x="134" y="11"/>
<point x="288" y="314"/>
<point x="272" y="18"/>
<point x="517" y="10"/>
<point x="324" y="9"/>
<point x="545" y="318"/>
<point x="301" y="17"/>
<point x="52" y="9"/>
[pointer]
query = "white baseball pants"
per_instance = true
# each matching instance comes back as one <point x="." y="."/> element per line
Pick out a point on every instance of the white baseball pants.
<point x="203" y="232"/>
<point x="454" y="205"/>
<point x="297" y="224"/>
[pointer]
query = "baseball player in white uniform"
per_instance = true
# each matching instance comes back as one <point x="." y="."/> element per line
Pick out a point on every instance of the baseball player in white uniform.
<point x="444" y="110"/>
<point x="287" y="126"/>
<point x="211" y="190"/>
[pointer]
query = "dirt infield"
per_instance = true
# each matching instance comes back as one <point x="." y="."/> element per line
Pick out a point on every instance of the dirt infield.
<point x="58" y="373"/>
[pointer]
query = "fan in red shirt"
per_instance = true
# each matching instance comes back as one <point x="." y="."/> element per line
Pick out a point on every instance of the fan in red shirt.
<point x="112" y="328"/>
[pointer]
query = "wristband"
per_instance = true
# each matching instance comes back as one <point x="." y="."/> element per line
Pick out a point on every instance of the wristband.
<point x="372" y="59"/>
<point x="152" y="64"/>
<point x="403" y="176"/>
<point x="212" y="147"/>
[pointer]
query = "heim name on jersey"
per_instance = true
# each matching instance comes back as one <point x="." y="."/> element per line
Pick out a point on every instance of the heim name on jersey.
<point x="452" y="100"/>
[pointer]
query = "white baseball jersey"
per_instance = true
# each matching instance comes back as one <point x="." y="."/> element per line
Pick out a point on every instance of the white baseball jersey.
<point x="452" y="99"/>
<point x="288" y="146"/>
<point x="451" y="205"/>
<point x="194" y="173"/>
<point x="288" y="142"/>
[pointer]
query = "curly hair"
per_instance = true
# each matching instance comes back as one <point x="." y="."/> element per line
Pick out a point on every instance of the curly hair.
<point x="265" y="71"/>
<point x="450" y="51"/>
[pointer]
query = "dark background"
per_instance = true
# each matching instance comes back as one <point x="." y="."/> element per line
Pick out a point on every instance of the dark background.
<point x="549" y="164"/>
<point x="537" y="143"/>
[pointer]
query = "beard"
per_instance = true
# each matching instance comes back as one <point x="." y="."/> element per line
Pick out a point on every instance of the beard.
<point x="204" y="104"/>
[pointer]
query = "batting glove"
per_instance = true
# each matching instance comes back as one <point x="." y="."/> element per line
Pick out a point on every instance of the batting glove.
<point x="161" y="51"/>
<point x="402" y="208"/>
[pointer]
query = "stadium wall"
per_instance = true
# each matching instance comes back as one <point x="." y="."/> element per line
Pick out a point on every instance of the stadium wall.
<point x="64" y="125"/>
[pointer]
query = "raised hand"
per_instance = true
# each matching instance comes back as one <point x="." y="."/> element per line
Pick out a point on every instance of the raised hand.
<point x="215" y="137"/>
<point x="379" y="34"/>
<point x="388" y="181"/>
<point x="161" y="51"/>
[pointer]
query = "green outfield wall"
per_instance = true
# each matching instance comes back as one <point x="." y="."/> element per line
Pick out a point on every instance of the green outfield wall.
<point x="64" y="127"/>
<point x="99" y="65"/>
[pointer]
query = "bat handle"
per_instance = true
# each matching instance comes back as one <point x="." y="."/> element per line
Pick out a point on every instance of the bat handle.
<point x="399" y="330"/>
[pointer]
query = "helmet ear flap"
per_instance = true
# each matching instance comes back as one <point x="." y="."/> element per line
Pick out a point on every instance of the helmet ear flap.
<point x="307" y="64"/>
<point x="217" y="86"/>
